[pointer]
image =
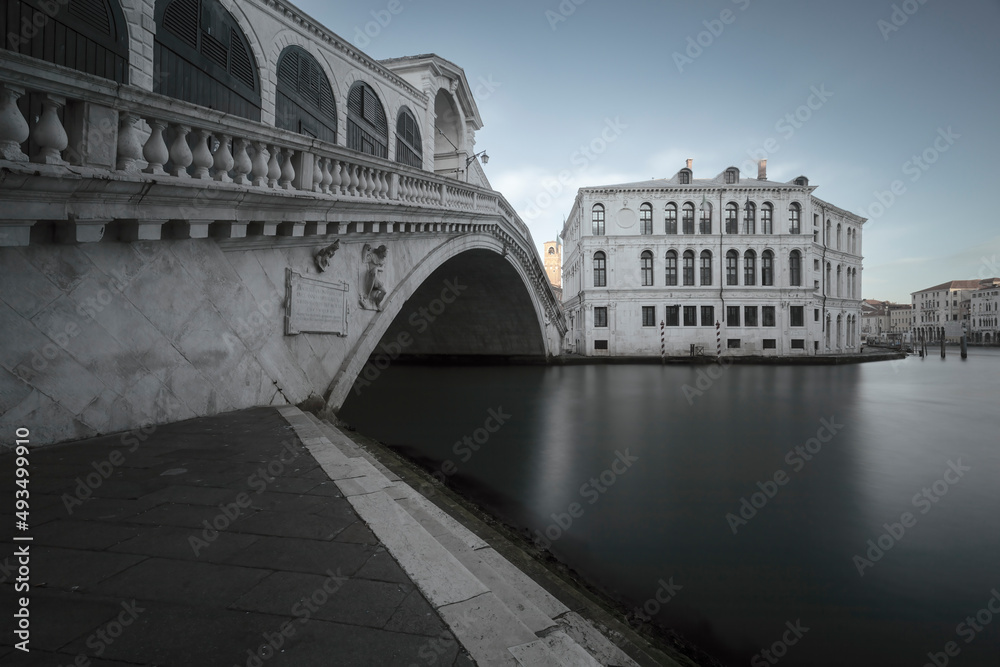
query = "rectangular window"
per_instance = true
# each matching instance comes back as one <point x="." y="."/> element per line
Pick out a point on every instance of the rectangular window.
<point x="733" y="316"/>
<point x="600" y="344"/>
<point x="750" y="316"/>
<point x="649" y="316"/>
<point x="770" y="344"/>
<point x="815" y="314"/>
<point x="670" y="220"/>
<point x="732" y="268"/>
<point x="767" y="316"/>
<point x="689" y="268"/>
<point x="671" y="316"/>
<point x="733" y="343"/>
<point x="798" y="343"/>
<point x="797" y="316"/>
<point x="706" y="269"/>
<point x="690" y="316"/>
<point x="601" y="316"/>
<point x="708" y="316"/>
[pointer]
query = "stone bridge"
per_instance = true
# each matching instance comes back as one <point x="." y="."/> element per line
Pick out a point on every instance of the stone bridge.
<point x="170" y="250"/>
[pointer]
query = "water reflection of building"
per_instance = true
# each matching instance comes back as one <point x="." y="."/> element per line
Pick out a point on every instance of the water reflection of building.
<point x="777" y="269"/>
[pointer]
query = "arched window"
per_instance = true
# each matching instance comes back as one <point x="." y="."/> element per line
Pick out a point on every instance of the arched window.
<point x="367" y="129"/>
<point x="750" y="218"/>
<point x="409" y="147"/>
<point x="670" y="219"/>
<point x="646" y="219"/>
<point x="706" y="218"/>
<point x="840" y="281"/>
<point x="552" y="251"/>
<point x="688" y="220"/>
<point x="200" y="55"/>
<point x="304" y="101"/>
<point x="646" y="261"/>
<point x="795" y="268"/>
<point x="749" y="268"/>
<point x="732" y="267"/>
<point x="839" y="234"/>
<point x="600" y="270"/>
<point x="706" y="267"/>
<point x="671" y="268"/>
<point x="86" y="35"/>
<point x="795" y="218"/>
<point x="767" y="268"/>
<point x="766" y="218"/>
<point x="827" y="288"/>
<point x="732" y="218"/>
<point x="827" y="237"/>
<point x="689" y="267"/>
<point x="597" y="218"/>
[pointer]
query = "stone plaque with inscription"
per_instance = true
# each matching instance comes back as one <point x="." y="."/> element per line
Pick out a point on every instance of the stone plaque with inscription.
<point x="314" y="306"/>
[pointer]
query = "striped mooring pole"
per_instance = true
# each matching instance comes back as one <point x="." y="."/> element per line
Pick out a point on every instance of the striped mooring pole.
<point x="663" y="342"/>
<point x="718" y="339"/>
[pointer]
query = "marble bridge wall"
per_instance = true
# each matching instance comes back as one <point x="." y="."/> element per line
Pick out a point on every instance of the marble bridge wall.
<point x="105" y="337"/>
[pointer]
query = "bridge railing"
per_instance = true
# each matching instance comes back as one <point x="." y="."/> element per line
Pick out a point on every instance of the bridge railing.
<point x="89" y="127"/>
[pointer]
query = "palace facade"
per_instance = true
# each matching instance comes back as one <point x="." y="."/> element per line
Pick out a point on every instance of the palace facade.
<point x="683" y="266"/>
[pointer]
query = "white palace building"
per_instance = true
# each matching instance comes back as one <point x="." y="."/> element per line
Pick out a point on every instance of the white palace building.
<point x="658" y="266"/>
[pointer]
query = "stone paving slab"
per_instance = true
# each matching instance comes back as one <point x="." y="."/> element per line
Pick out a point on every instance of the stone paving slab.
<point x="210" y="540"/>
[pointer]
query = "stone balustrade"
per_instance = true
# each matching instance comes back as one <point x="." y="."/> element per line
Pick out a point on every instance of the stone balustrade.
<point x="208" y="168"/>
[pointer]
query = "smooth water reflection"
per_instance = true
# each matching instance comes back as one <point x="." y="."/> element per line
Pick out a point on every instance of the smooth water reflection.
<point x="665" y="516"/>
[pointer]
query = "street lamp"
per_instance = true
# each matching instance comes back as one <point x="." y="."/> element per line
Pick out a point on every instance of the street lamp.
<point x="486" y="158"/>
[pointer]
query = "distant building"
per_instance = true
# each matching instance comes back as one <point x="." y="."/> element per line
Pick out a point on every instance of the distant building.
<point x="552" y="259"/>
<point x="874" y="319"/>
<point x="776" y="269"/>
<point x="943" y="310"/>
<point x="900" y="318"/>
<point x="984" y="314"/>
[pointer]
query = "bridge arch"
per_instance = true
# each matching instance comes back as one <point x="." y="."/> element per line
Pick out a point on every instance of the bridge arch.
<point x="400" y="313"/>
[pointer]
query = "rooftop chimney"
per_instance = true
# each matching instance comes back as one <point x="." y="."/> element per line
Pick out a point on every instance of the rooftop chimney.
<point x="689" y="162"/>
<point x="762" y="170"/>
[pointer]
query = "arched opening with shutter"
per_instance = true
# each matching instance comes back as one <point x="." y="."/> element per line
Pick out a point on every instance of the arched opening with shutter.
<point x="86" y="35"/>
<point x="201" y="56"/>
<point x="409" y="147"/>
<point x="304" y="101"/>
<point x="448" y="145"/>
<point x="367" y="129"/>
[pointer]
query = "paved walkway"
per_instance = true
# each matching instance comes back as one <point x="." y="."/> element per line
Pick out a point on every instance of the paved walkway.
<point x="206" y="542"/>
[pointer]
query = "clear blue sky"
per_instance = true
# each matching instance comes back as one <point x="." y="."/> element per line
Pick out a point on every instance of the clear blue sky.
<point x="891" y="90"/>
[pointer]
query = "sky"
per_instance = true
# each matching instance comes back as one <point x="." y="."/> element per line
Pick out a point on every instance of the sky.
<point x="889" y="107"/>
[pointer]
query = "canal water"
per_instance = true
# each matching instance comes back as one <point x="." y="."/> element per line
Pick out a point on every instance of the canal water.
<point x="830" y="515"/>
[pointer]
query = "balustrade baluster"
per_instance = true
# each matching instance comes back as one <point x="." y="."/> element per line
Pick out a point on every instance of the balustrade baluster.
<point x="287" y="170"/>
<point x="180" y="152"/>
<point x="129" y="143"/>
<point x="354" y="181"/>
<point x="327" y="176"/>
<point x="155" y="151"/>
<point x="273" y="167"/>
<point x="335" y="178"/>
<point x="384" y="178"/>
<point x="201" y="156"/>
<point x="224" y="161"/>
<point x="14" y="129"/>
<point x="260" y="157"/>
<point x="241" y="162"/>
<point x="317" y="184"/>
<point x="49" y="134"/>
